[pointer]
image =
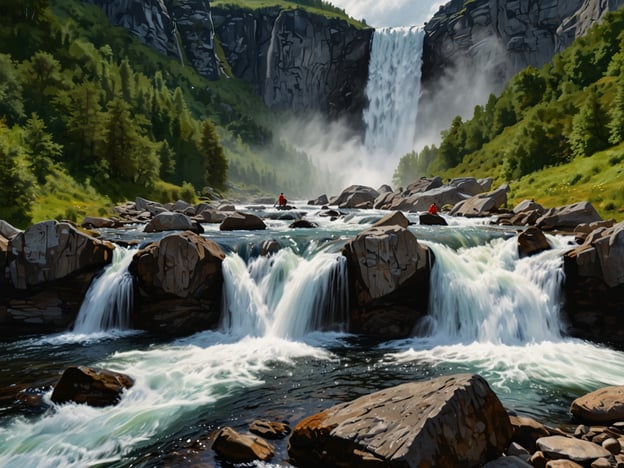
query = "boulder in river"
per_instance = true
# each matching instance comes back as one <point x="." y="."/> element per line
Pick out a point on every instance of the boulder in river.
<point x="179" y="280"/>
<point x="568" y="217"/>
<point x="242" y="222"/>
<point x="95" y="387"/>
<point x="603" y="406"/>
<point x="169" y="221"/>
<point x="49" y="251"/>
<point x="447" y="421"/>
<point x="532" y="241"/>
<point x="240" y="448"/>
<point x="388" y="274"/>
<point x="355" y="195"/>
<point x="483" y="204"/>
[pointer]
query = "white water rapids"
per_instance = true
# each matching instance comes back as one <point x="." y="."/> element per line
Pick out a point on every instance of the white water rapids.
<point x="491" y="313"/>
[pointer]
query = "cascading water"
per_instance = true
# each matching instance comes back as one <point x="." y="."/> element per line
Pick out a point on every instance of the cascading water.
<point x="393" y="90"/>
<point x="108" y="302"/>
<point x="487" y="294"/>
<point x="284" y="295"/>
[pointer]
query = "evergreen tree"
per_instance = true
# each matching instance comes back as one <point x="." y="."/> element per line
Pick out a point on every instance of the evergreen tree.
<point x="41" y="75"/>
<point x="11" y="105"/>
<point x="85" y="123"/>
<point x="167" y="161"/>
<point x="41" y="149"/>
<point x="616" y="114"/>
<point x="214" y="157"/>
<point x="589" y="130"/>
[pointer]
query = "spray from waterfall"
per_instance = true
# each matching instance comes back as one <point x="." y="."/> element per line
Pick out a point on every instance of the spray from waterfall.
<point x="284" y="295"/>
<point x="393" y="90"/>
<point x="108" y="302"/>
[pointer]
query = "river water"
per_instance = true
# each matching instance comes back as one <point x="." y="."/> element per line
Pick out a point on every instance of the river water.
<point x="281" y="351"/>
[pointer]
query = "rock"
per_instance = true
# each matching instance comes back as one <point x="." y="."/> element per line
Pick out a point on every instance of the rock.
<point x="517" y="450"/>
<point x="210" y="216"/>
<point x="319" y="201"/>
<point x="532" y="241"/>
<point x="50" y="251"/>
<point x="302" y="224"/>
<point x="483" y="204"/>
<point x="7" y="231"/>
<point x="447" y="421"/>
<point x="420" y="201"/>
<point x="588" y="228"/>
<point x="428" y="219"/>
<point x="270" y="429"/>
<point x="603" y="406"/>
<point x="562" y="464"/>
<point x="94" y="222"/>
<point x="95" y="387"/>
<point x="152" y="207"/>
<point x="568" y="216"/>
<point x="601" y="463"/>
<point x="527" y="431"/>
<point x="388" y="273"/>
<point x="179" y="280"/>
<point x="330" y="214"/>
<point x="528" y="205"/>
<point x="226" y="207"/>
<point x="242" y="222"/>
<point x="393" y="219"/>
<point x="538" y="460"/>
<point x="424" y="184"/>
<point x="509" y="461"/>
<point x="384" y="189"/>
<point x="384" y="200"/>
<point x="354" y="194"/>
<point x="612" y="445"/>
<point x="172" y="222"/>
<point x="238" y="448"/>
<point x="580" y="451"/>
<point x="468" y="185"/>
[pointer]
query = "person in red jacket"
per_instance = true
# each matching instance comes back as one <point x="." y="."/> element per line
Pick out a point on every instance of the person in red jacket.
<point x="281" y="201"/>
<point x="433" y="209"/>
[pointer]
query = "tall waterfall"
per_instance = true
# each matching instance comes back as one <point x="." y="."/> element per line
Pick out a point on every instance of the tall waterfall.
<point x="393" y="90"/>
<point x="108" y="302"/>
<point x="284" y="295"/>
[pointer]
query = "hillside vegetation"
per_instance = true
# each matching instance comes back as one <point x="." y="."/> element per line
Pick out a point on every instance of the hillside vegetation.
<point x="554" y="134"/>
<point x="89" y="117"/>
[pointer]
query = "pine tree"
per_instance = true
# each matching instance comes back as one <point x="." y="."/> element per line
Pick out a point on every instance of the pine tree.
<point x="41" y="149"/>
<point x="216" y="163"/>
<point x="616" y="122"/>
<point x="589" y="130"/>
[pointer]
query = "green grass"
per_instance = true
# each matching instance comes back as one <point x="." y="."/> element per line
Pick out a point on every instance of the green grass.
<point x="598" y="179"/>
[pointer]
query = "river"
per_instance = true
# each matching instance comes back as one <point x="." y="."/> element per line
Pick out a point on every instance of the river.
<point x="281" y="351"/>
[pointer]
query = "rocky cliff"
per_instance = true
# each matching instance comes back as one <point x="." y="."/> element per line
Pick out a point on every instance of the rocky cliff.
<point x="295" y="60"/>
<point x="501" y="37"/>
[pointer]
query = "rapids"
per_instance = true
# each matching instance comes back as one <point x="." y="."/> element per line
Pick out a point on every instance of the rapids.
<point x="282" y="353"/>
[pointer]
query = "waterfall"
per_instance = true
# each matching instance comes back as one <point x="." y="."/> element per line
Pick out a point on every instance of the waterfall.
<point x="108" y="302"/>
<point x="393" y="90"/>
<point x="284" y="295"/>
<point x="488" y="294"/>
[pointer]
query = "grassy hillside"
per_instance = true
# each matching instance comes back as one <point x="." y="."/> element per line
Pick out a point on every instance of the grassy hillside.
<point x="554" y="134"/>
<point x="90" y="117"/>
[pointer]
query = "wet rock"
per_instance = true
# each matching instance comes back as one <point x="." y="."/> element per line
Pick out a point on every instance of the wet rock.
<point x="424" y="184"/>
<point x="420" y="201"/>
<point x="468" y="185"/>
<point x="388" y="273"/>
<point x="94" y="222"/>
<point x="447" y="421"/>
<point x="393" y="219"/>
<point x="562" y="464"/>
<point x="612" y="445"/>
<point x="483" y="204"/>
<point x="319" y="201"/>
<point x="527" y="431"/>
<point x="172" y="222"/>
<point x="95" y="387"/>
<point x="210" y="216"/>
<point x="242" y="222"/>
<point x="428" y="219"/>
<point x="568" y="448"/>
<point x="354" y="195"/>
<point x="526" y="206"/>
<point x="384" y="200"/>
<point x="179" y="280"/>
<point x="49" y="251"/>
<point x="603" y="406"/>
<point x="270" y="429"/>
<point x="531" y="242"/>
<point x="239" y="448"/>
<point x="226" y="207"/>
<point x="568" y="217"/>
<point x="302" y="224"/>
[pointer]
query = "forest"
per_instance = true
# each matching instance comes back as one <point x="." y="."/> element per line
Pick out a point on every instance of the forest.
<point x="89" y="117"/>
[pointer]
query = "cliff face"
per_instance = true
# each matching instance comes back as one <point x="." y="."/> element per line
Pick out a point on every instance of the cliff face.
<point x="293" y="59"/>
<point x="505" y="36"/>
<point x="296" y="60"/>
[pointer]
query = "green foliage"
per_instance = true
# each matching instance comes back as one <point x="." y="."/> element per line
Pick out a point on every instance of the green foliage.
<point x="616" y="114"/>
<point x="589" y="132"/>
<point x="413" y="166"/>
<point x="215" y="162"/>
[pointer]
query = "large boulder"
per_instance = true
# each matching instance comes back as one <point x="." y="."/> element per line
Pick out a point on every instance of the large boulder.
<point x="240" y="448"/>
<point x="384" y="200"/>
<point x="604" y="406"/>
<point x="319" y="201"/>
<point x="393" y="219"/>
<point x="242" y="222"/>
<point x="468" y="185"/>
<point x="424" y="184"/>
<point x="168" y="221"/>
<point x="559" y="447"/>
<point x="50" y="251"/>
<point x="420" y="201"/>
<point x="95" y="387"/>
<point x="568" y="217"/>
<point x="388" y="274"/>
<point x="179" y="280"/>
<point x="354" y="195"/>
<point x="483" y="204"/>
<point x="428" y="219"/>
<point x="594" y="287"/>
<point x="532" y="241"/>
<point x="447" y="421"/>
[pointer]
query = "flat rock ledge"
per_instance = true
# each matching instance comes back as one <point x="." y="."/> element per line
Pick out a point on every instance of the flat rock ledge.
<point x="447" y="421"/>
